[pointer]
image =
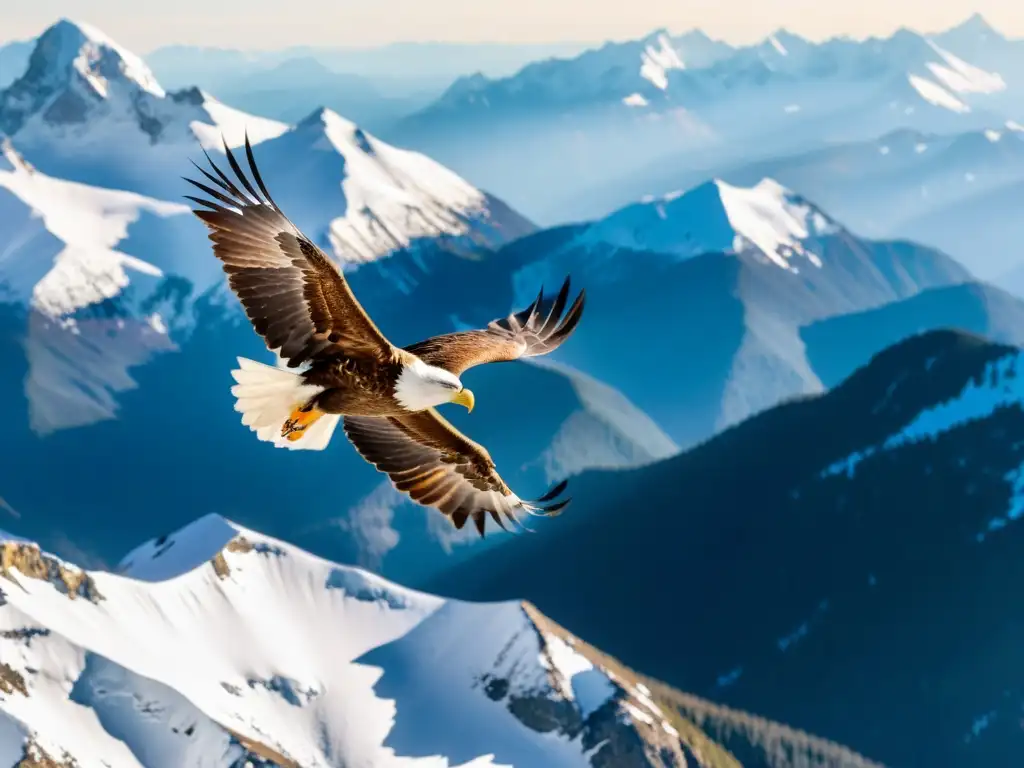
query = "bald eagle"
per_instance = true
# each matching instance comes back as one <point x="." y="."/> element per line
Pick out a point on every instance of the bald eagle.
<point x="339" y="366"/>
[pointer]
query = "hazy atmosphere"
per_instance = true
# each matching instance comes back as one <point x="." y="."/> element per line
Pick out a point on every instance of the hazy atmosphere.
<point x="309" y="307"/>
<point x="266" y="24"/>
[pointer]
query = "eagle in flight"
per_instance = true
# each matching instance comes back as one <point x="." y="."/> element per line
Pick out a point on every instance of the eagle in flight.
<point x="338" y="366"/>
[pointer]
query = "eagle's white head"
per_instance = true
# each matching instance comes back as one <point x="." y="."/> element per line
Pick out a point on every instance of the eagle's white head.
<point x="421" y="386"/>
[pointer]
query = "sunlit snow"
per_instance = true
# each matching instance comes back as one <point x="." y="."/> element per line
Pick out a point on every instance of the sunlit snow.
<point x="60" y="247"/>
<point x="718" y="217"/>
<point x="657" y="60"/>
<point x="936" y="95"/>
<point x="204" y="635"/>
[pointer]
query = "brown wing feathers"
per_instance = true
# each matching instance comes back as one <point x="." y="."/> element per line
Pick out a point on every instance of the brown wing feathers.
<point x="537" y="330"/>
<point x="294" y="296"/>
<point x="435" y="465"/>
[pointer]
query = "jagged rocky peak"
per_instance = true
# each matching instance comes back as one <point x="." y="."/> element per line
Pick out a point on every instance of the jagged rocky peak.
<point x="73" y="71"/>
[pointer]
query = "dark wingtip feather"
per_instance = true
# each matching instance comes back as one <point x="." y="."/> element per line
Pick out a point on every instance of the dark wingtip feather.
<point x="497" y="518"/>
<point x="555" y="490"/>
<point x="555" y="313"/>
<point x="534" y="307"/>
<point x="251" y="157"/>
<point x="211" y="192"/>
<point x="556" y="509"/>
<point x="570" y="321"/>
<point x="237" y="169"/>
<point x="201" y="201"/>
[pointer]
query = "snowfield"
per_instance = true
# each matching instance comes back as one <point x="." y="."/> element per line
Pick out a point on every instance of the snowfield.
<point x="217" y="645"/>
<point x="61" y="238"/>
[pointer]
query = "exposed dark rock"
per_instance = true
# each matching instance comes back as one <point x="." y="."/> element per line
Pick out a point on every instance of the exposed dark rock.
<point x="27" y="559"/>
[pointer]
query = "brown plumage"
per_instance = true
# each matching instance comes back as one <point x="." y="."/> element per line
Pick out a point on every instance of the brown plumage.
<point x="300" y="303"/>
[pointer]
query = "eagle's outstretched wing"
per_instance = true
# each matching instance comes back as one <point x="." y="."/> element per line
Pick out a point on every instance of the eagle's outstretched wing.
<point x="535" y="331"/>
<point x="294" y="295"/>
<point x="436" y="465"/>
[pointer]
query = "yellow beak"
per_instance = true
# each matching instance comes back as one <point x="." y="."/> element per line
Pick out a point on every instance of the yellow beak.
<point x="464" y="397"/>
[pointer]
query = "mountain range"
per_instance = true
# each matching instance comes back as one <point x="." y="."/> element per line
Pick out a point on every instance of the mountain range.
<point x="108" y="307"/>
<point x="142" y="667"/>
<point x="571" y="127"/>
<point x="845" y="562"/>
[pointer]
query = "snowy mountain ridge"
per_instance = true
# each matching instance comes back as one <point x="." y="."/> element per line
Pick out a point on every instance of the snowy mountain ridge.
<point x="216" y="645"/>
<point x="389" y="197"/>
<point x="657" y="71"/>
<point x="61" y="250"/>
<point x="86" y="105"/>
<point x="718" y="217"/>
<point x="998" y="387"/>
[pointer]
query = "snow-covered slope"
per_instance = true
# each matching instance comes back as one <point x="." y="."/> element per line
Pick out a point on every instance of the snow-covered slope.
<point x="59" y="239"/>
<point x="66" y="251"/>
<point x="215" y="646"/>
<point x="90" y="111"/>
<point x="977" y="41"/>
<point x="363" y="198"/>
<point x="718" y="217"/>
<point x="942" y="190"/>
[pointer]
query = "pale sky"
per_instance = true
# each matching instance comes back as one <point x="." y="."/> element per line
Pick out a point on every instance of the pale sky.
<point x="143" y="25"/>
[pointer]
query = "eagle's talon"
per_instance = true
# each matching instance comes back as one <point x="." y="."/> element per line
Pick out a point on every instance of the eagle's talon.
<point x="299" y="422"/>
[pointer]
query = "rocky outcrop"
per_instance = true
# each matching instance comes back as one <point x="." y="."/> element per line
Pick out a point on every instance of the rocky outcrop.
<point x="29" y="561"/>
<point x="37" y="757"/>
<point x="11" y="680"/>
<point x="240" y="545"/>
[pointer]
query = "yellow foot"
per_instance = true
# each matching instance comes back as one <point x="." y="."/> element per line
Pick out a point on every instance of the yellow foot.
<point x="299" y="422"/>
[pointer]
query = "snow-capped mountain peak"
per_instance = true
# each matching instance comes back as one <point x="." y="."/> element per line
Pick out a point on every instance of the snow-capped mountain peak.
<point x="957" y="75"/>
<point x="719" y="217"/>
<point x="658" y="58"/>
<point x="375" y="197"/>
<point x="73" y="66"/>
<point x="216" y="645"/>
<point x="80" y="83"/>
<point x="69" y="48"/>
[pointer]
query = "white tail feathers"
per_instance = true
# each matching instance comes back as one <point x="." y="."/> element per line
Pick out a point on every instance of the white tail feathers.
<point x="266" y="396"/>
